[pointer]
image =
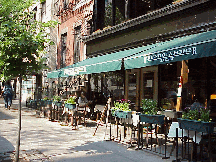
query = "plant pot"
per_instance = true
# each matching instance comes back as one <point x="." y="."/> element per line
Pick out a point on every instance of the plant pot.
<point x="194" y="125"/>
<point x="42" y="103"/>
<point x="119" y="113"/>
<point x="153" y="119"/>
<point x="58" y="103"/>
<point x="127" y="114"/>
<point x="70" y="106"/>
<point x="48" y="102"/>
<point x="208" y="127"/>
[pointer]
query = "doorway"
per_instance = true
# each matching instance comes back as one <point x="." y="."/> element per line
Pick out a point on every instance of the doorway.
<point x="132" y="87"/>
<point x="149" y="83"/>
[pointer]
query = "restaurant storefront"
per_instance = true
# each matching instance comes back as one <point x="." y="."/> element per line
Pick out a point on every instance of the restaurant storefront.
<point x="176" y="73"/>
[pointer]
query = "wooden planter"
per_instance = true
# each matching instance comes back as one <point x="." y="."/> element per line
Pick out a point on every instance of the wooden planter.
<point x="194" y="125"/>
<point x="153" y="119"/>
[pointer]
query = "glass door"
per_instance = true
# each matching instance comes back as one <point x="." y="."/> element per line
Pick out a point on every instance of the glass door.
<point x="149" y="83"/>
<point x="132" y="87"/>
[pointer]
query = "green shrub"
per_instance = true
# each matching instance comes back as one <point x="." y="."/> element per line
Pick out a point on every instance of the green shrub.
<point x="149" y="106"/>
<point x="56" y="98"/>
<point x="71" y="100"/>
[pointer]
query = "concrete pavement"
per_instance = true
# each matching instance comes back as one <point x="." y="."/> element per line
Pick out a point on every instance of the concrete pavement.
<point x="43" y="140"/>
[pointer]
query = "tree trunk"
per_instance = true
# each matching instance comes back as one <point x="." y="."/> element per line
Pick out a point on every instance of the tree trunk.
<point x="19" y="121"/>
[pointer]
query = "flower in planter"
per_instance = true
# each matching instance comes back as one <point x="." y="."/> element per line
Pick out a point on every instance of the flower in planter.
<point x="201" y="114"/>
<point x="71" y="100"/>
<point x="149" y="106"/>
<point x="56" y="98"/>
<point x="122" y="104"/>
<point x="46" y="98"/>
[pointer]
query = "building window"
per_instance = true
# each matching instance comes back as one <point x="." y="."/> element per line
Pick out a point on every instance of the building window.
<point x="43" y="11"/>
<point x="77" y="1"/>
<point x="63" y="49"/>
<point x="77" y="44"/>
<point x="66" y="4"/>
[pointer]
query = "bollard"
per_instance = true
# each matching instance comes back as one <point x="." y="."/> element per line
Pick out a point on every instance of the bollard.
<point x="120" y="129"/>
<point x="151" y="135"/>
<point x="176" y="144"/>
<point x="156" y="138"/>
<point x="165" y="123"/>
<point x="182" y="145"/>
<point x="142" y="135"/>
<point x="110" y="124"/>
<point x="209" y="147"/>
<point x="188" y="145"/>
<point x="201" y="149"/>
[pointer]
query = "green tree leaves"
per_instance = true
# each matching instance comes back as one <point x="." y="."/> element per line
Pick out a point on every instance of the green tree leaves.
<point x="22" y="39"/>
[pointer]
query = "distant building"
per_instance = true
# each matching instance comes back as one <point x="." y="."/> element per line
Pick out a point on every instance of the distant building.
<point x="75" y="19"/>
<point x="35" y="86"/>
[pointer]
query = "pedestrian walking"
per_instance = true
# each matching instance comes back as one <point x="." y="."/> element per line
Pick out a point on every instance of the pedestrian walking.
<point x="7" y="93"/>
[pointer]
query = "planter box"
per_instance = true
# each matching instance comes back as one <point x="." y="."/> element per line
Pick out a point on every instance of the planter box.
<point x="58" y="103"/>
<point x="127" y="114"/>
<point x="208" y="127"/>
<point x="32" y="103"/>
<point x="42" y="103"/>
<point x="153" y="119"/>
<point x="70" y="106"/>
<point x="48" y="102"/>
<point x="122" y="114"/>
<point x="119" y="113"/>
<point x="194" y="125"/>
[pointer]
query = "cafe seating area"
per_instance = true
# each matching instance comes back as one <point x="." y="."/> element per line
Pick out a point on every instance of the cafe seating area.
<point x="163" y="134"/>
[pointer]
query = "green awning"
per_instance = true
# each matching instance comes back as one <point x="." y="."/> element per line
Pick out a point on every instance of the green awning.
<point x="53" y="74"/>
<point x="183" y="48"/>
<point x="104" y="63"/>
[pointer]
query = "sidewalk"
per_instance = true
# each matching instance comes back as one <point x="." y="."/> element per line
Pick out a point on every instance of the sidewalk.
<point x="43" y="140"/>
<point x="7" y="148"/>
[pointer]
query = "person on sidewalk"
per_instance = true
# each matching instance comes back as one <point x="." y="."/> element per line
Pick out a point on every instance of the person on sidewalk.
<point x="7" y="93"/>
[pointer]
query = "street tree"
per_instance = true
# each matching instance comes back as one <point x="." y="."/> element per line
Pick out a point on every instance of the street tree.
<point x="23" y="41"/>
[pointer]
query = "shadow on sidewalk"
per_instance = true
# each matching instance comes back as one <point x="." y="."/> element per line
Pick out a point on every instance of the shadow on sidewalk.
<point x="4" y="116"/>
<point x="6" y="150"/>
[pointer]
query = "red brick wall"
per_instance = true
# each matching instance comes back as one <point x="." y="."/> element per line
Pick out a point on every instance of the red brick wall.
<point x="68" y="20"/>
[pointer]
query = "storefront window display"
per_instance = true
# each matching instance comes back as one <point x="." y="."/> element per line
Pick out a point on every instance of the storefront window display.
<point x="199" y="85"/>
<point x="168" y="86"/>
<point x="105" y="84"/>
<point x="195" y="90"/>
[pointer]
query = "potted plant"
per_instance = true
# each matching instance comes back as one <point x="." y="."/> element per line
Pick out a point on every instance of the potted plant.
<point x="57" y="100"/>
<point x="47" y="100"/>
<point x="196" y="120"/>
<point x="149" y="112"/>
<point x="71" y="102"/>
<point x="122" y="108"/>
